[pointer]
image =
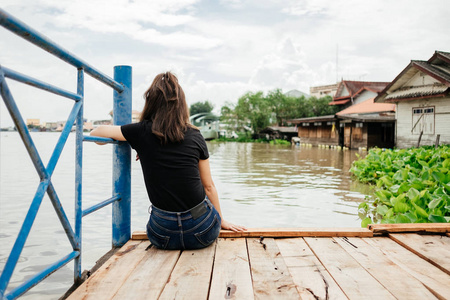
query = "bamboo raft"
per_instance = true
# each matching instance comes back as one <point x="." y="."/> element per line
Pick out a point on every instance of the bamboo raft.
<point x="385" y="261"/>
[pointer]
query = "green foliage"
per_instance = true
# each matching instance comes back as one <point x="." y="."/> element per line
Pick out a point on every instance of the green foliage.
<point x="412" y="185"/>
<point x="275" y="108"/>
<point x="280" y="142"/>
<point x="255" y="108"/>
<point x="201" y="107"/>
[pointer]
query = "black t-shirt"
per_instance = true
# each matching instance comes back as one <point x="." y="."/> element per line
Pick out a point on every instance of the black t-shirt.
<point x="171" y="173"/>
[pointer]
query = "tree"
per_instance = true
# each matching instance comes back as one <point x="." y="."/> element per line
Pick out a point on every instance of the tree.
<point x="260" y="111"/>
<point x="201" y="107"/>
<point x="256" y="109"/>
<point x="321" y="107"/>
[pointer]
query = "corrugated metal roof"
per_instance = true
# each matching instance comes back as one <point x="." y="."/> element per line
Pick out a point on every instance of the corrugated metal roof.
<point x="440" y="72"/>
<point x="417" y="91"/>
<point x="314" y="119"/>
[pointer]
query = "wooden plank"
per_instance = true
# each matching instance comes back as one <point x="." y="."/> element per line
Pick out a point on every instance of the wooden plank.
<point x="231" y="277"/>
<point x="297" y="232"/>
<point x="433" y="248"/>
<point x="433" y="278"/>
<point x="283" y="232"/>
<point x="107" y="280"/>
<point x="271" y="278"/>
<point x="191" y="277"/>
<point x="413" y="227"/>
<point x="382" y="268"/>
<point x="150" y="276"/>
<point x="353" y="279"/>
<point x="310" y="277"/>
<point x="139" y="235"/>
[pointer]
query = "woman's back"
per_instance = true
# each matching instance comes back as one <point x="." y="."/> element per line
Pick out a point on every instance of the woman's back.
<point x="171" y="173"/>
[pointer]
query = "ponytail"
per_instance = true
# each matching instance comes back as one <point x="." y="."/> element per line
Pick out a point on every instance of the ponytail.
<point x="165" y="106"/>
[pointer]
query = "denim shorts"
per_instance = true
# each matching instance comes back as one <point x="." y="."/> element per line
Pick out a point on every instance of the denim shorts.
<point x="196" y="228"/>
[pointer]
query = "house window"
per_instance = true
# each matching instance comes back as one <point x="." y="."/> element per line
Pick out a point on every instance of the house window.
<point x="423" y="120"/>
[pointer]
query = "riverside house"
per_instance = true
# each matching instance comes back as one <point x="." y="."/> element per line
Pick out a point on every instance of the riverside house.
<point x="421" y="93"/>
<point x="361" y="123"/>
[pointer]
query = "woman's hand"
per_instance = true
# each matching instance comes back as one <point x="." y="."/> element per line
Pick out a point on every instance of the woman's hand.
<point x="230" y="226"/>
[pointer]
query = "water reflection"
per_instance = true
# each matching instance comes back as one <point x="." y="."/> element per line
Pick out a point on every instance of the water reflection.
<point x="260" y="185"/>
<point x="263" y="185"/>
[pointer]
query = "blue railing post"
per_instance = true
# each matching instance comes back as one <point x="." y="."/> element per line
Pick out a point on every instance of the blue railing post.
<point x="121" y="213"/>
<point x="79" y="177"/>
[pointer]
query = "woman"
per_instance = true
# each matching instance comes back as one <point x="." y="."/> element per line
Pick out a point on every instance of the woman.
<point x="174" y="158"/>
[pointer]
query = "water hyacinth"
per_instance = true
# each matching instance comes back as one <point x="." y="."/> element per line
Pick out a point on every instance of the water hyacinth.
<point x="411" y="185"/>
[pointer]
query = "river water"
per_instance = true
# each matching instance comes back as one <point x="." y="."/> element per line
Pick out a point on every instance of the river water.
<point x="260" y="185"/>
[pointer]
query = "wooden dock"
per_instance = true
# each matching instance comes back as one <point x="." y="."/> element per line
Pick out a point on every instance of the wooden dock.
<point x="400" y="261"/>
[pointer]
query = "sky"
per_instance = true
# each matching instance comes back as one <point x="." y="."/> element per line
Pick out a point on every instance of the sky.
<point x="218" y="49"/>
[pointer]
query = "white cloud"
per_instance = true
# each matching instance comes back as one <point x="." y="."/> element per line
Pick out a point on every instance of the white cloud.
<point x="137" y="19"/>
<point x="221" y="50"/>
<point x="285" y="67"/>
<point x="305" y="7"/>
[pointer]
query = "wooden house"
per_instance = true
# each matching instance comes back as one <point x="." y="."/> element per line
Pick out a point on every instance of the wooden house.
<point x="318" y="130"/>
<point x="278" y="132"/>
<point x="360" y="124"/>
<point x="353" y="92"/>
<point x="367" y="124"/>
<point x="421" y="93"/>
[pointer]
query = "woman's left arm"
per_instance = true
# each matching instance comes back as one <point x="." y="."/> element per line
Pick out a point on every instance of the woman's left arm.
<point x="211" y="192"/>
<point x="108" y="131"/>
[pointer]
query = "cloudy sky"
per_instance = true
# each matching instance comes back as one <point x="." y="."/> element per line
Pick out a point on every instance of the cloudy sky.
<point x="218" y="49"/>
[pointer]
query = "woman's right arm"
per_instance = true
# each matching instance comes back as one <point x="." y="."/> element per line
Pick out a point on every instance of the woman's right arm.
<point x="108" y="131"/>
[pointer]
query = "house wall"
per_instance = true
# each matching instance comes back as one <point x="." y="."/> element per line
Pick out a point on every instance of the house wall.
<point x="364" y="96"/>
<point x="421" y="79"/>
<point x="404" y="115"/>
<point x="318" y="135"/>
<point x="359" y="136"/>
<point x="344" y="92"/>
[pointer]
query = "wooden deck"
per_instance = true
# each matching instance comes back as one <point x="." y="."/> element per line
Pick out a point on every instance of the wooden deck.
<point x="284" y="264"/>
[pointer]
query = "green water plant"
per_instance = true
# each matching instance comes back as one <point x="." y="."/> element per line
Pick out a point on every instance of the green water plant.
<point x="411" y="185"/>
<point x="280" y="142"/>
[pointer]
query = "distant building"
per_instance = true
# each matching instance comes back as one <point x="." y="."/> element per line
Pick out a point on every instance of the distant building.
<point x="421" y="93"/>
<point x="353" y="92"/>
<point x="323" y="90"/>
<point x="296" y="94"/>
<point x="278" y="132"/>
<point x="52" y="126"/>
<point x="101" y="122"/>
<point x="360" y="124"/>
<point x="135" y="115"/>
<point x="34" y="122"/>
<point x="88" y="126"/>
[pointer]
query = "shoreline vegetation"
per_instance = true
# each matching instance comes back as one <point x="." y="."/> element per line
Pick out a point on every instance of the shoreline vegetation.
<point x="411" y="185"/>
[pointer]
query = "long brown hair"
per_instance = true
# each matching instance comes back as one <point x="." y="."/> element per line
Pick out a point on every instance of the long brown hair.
<point x="165" y="106"/>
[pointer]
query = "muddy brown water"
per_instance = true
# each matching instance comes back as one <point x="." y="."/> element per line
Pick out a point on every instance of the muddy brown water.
<point x="259" y="185"/>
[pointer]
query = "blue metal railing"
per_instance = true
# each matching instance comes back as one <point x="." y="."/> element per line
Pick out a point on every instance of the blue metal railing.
<point x="121" y="194"/>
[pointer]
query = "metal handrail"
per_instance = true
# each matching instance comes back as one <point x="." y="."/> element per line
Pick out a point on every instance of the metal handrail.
<point x="121" y="156"/>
